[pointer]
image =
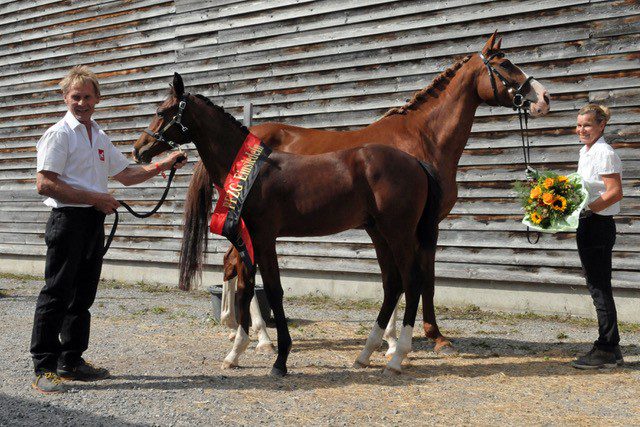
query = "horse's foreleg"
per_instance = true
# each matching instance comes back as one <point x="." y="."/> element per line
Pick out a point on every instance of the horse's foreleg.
<point x="245" y="292"/>
<point x="260" y="327"/>
<point x="268" y="263"/>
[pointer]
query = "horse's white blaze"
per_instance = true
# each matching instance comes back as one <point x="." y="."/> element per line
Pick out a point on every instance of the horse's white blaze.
<point x="373" y="342"/>
<point x="228" y="304"/>
<point x="239" y="346"/>
<point x="403" y="348"/>
<point x="390" y="332"/>
<point x="259" y="326"/>
<point x="537" y="97"/>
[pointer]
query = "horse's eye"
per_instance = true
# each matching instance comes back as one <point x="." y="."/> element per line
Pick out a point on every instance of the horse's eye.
<point x="507" y="65"/>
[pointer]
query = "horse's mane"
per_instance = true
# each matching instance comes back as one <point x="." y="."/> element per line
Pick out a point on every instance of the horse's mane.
<point x="437" y="84"/>
<point x="221" y="110"/>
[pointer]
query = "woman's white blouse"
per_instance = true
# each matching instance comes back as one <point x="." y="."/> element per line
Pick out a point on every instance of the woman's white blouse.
<point x="599" y="160"/>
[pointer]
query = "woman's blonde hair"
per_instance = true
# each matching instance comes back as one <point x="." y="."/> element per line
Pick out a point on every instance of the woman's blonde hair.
<point x="600" y="112"/>
<point x="78" y="76"/>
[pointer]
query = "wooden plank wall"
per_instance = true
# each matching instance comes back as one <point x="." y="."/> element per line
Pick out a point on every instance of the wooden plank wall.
<point x="327" y="64"/>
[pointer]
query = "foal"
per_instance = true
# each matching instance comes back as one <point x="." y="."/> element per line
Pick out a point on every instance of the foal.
<point x="379" y="188"/>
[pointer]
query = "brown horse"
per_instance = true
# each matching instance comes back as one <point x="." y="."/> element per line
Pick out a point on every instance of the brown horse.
<point x="315" y="195"/>
<point x="434" y="127"/>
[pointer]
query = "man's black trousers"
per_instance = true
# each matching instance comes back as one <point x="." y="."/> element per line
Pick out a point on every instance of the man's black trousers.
<point x="75" y="245"/>
<point x="596" y="236"/>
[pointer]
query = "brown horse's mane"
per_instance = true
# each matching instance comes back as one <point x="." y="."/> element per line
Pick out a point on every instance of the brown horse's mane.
<point x="222" y="110"/>
<point x="439" y="83"/>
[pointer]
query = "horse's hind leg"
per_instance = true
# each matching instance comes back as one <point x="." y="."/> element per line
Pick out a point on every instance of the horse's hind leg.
<point x="390" y="334"/>
<point x="245" y="290"/>
<point x="443" y="345"/>
<point x="392" y="290"/>
<point x="228" y="306"/>
<point x="259" y="326"/>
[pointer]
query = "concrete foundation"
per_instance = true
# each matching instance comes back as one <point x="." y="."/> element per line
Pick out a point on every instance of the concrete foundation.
<point x="487" y="295"/>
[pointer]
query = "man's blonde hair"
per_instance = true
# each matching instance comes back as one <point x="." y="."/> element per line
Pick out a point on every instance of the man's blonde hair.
<point x="601" y="113"/>
<point x="78" y="76"/>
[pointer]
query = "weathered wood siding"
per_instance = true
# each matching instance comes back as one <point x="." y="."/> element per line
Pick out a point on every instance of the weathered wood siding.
<point x="327" y="64"/>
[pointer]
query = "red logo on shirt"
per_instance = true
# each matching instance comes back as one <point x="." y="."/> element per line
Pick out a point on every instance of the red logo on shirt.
<point x="101" y="154"/>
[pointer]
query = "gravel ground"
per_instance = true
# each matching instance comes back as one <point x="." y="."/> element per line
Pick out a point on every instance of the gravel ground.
<point x="164" y="353"/>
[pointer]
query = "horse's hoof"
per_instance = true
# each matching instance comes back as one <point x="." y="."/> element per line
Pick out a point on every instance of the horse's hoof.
<point x="265" y="348"/>
<point x="278" y="373"/>
<point x="445" y="349"/>
<point x="391" y="372"/>
<point x="359" y="365"/>
<point x="228" y="365"/>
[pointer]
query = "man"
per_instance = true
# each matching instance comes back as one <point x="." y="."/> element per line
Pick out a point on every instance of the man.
<point x="75" y="159"/>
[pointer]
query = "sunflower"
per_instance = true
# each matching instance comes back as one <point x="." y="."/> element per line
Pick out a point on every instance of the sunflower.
<point x="559" y="204"/>
<point x="548" y="198"/>
<point x="548" y="183"/>
<point x="536" y="218"/>
<point x="562" y="179"/>
<point x="535" y="192"/>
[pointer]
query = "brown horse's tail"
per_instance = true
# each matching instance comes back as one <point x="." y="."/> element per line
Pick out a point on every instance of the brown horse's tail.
<point x="428" y="225"/>
<point x="197" y="210"/>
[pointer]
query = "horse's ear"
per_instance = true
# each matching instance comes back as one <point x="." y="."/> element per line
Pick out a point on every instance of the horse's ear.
<point x="178" y="85"/>
<point x="497" y="45"/>
<point x="489" y="45"/>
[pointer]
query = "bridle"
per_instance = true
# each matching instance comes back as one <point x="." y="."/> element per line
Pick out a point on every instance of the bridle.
<point x="177" y="119"/>
<point x="519" y="104"/>
<point x="519" y="100"/>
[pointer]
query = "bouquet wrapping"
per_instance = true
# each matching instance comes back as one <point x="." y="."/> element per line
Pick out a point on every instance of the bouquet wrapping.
<point x="552" y="203"/>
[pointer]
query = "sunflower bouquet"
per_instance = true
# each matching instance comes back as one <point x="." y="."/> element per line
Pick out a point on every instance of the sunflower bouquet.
<point x="552" y="202"/>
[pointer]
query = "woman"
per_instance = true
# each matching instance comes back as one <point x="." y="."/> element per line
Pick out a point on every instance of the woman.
<point x="601" y="169"/>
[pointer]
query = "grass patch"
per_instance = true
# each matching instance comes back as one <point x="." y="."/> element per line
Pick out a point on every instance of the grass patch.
<point x="21" y="277"/>
<point x="152" y="288"/>
<point x="147" y="310"/>
<point x="4" y="293"/>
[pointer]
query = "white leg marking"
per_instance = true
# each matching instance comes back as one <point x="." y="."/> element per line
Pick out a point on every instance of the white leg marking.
<point x="373" y="342"/>
<point x="390" y="333"/>
<point x="228" y="304"/>
<point x="404" y="347"/>
<point x="260" y="327"/>
<point x="239" y="346"/>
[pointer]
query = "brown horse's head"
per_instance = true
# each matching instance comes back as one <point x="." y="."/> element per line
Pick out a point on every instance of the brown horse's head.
<point x="500" y="82"/>
<point x="167" y="129"/>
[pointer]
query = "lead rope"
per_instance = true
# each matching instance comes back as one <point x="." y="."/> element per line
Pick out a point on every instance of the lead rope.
<point x="140" y="215"/>
<point x="523" y="118"/>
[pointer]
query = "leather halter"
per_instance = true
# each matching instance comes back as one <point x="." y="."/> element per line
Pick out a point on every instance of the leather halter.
<point x="177" y="119"/>
<point x="519" y="100"/>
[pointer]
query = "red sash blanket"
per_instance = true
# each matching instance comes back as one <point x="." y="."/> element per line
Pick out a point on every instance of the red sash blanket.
<point x="226" y="220"/>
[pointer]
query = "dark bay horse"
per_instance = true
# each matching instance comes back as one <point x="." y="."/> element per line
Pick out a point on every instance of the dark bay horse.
<point x="314" y="195"/>
<point x="434" y="127"/>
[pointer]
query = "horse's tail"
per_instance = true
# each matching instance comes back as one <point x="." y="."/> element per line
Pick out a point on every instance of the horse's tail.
<point x="428" y="224"/>
<point x="197" y="210"/>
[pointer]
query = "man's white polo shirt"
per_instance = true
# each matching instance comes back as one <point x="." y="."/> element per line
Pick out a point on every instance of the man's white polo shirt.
<point x="65" y="149"/>
<point x="600" y="159"/>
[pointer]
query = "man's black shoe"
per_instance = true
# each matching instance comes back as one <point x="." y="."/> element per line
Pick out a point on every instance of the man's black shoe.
<point x="85" y="371"/>
<point x="618" y="354"/>
<point x="596" y="359"/>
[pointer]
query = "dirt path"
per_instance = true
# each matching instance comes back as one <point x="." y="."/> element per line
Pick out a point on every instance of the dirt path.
<point x="164" y="353"/>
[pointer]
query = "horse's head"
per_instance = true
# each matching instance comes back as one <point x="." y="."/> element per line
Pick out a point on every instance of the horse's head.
<point x="500" y="82"/>
<point x="167" y="129"/>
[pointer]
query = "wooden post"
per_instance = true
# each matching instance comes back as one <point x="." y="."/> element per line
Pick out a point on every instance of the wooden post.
<point x="248" y="113"/>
